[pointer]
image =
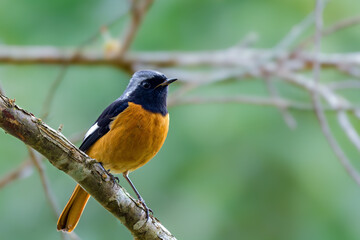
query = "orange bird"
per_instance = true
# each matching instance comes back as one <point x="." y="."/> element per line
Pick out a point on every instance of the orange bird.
<point x="128" y="133"/>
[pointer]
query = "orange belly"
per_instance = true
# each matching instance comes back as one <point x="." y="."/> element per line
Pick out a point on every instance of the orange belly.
<point x="135" y="136"/>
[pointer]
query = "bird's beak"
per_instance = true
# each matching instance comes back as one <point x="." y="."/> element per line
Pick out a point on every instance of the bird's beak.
<point x="167" y="82"/>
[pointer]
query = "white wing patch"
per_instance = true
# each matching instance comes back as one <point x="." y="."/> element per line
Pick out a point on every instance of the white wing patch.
<point x="91" y="130"/>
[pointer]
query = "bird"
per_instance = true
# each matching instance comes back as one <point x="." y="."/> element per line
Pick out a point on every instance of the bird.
<point x="127" y="134"/>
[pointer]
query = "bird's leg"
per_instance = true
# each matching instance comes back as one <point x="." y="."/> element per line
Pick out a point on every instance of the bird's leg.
<point x="141" y="200"/>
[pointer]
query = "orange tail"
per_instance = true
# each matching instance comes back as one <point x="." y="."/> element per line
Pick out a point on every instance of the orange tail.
<point x="71" y="214"/>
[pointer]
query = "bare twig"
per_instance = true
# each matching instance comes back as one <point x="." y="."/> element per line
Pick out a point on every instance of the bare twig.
<point x="138" y="11"/>
<point x="44" y="181"/>
<point x="23" y="170"/>
<point x="349" y="129"/>
<point x="288" y="118"/>
<point x="225" y="58"/>
<point x="294" y="33"/>
<point x="342" y="24"/>
<point x="51" y="93"/>
<point x="316" y="100"/>
<point x="248" y="40"/>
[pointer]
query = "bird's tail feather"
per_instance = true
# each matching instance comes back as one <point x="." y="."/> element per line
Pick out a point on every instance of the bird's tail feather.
<point x="71" y="214"/>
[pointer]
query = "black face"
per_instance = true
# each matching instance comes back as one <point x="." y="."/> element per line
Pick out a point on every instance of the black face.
<point x="149" y="89"/>
<point x="153" y="83"/>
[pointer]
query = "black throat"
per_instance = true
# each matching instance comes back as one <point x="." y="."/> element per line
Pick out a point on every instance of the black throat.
<point x="155" y="103"/>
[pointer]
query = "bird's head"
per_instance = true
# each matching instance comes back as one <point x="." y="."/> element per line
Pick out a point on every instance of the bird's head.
<point x="148" y="88"/>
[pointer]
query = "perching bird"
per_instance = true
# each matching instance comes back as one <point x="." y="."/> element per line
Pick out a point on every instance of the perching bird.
<point x="128" y="133"/>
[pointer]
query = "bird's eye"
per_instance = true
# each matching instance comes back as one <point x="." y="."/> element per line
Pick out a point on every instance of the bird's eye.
<point x="146" y="85"/>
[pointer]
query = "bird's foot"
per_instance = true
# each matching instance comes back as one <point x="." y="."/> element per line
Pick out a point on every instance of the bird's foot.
<point x="112" y="177"/>
<point x="146" y="208"/>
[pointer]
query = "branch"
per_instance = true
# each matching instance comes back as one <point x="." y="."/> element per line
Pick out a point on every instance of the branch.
<point x="86" y="171"/>
<point x="317" y="103"/>
<point x="138" y="11"/>
<point x="232" y="57"/>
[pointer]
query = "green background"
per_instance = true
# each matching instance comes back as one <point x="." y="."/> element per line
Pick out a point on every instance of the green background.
<point x="225" y="171"/>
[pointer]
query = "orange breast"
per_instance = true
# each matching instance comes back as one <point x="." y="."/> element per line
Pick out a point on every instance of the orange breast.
<point x="135" y="136"/>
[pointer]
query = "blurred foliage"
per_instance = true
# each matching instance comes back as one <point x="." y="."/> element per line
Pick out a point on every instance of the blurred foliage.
<point x="225" y="171"/>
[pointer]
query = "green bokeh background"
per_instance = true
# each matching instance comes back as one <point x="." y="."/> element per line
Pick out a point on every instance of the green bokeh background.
<point x="225" y="171"/>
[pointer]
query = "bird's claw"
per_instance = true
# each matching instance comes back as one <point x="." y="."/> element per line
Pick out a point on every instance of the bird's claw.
<point x="146" y="208"/>
<point x="112" y="177"/>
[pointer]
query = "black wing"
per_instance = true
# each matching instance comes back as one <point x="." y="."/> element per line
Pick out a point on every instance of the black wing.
<point x="101" y="125"/>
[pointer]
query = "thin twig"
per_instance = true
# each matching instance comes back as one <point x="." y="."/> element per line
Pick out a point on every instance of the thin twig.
<point x="337" y="26"/>
<point x="44" y="181"/>
<point x="51" y="93"/>
<point x="288" y="118"/>
<point x="316" y="100"/>
<point x="249" y="40"/>
<point x="23" y="170"/>
<point x="138" y="11"/>
<point x="295" y="33"/>
<point x="349" y="129"/>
